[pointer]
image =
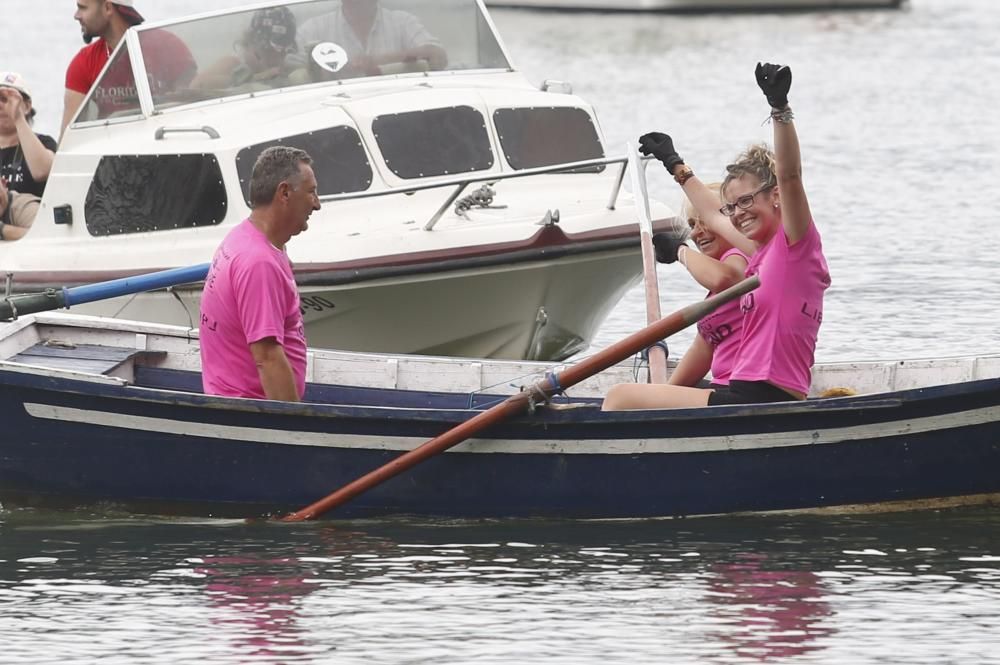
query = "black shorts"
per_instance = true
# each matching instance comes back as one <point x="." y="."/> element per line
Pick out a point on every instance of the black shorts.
<point x="748" y="392"/>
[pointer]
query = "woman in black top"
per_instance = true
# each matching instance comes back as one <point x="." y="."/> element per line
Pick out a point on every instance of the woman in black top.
<point x="25" y="157"/>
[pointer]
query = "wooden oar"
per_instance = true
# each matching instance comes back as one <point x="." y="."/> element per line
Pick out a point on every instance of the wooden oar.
<point x="519" y="403"/>
<point x="637" y="168"/>
<point x="30" y="303"/>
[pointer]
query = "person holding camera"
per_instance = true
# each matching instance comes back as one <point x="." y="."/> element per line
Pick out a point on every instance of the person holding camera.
<point x="25" y="158"/>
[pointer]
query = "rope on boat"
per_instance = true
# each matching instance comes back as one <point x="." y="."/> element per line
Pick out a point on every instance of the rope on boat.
<point x="482" y="198"/>
<point x="537" y="397"/>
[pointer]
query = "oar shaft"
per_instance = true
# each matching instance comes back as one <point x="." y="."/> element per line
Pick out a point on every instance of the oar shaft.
<point x="510" y="407"/>
<point x="637" y="169"/>
<point x="32" y="303"/>
<point x="518" y="403"/>
<point x="127" y="285"/>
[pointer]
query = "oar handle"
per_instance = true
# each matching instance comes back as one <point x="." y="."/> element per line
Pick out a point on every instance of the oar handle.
<point x="668" y="325"/>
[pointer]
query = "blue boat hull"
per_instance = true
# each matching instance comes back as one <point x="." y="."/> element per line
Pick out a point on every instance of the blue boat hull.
<point x="70" y="442"/>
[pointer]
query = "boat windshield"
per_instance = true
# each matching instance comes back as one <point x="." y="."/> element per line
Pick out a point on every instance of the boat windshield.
<point x="287" y="45"/>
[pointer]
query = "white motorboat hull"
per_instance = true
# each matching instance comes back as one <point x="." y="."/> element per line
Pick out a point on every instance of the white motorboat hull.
<point x="534" y="310"/>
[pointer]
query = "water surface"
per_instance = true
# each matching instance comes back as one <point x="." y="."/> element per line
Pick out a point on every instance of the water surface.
<point x="911" y="588"/>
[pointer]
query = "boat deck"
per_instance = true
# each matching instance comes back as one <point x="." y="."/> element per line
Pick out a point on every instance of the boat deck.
<point x="88" y="358"/>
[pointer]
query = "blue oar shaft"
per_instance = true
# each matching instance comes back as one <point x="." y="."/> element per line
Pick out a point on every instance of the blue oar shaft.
<point x="30" y="303"/>
<point x="128" y="285"/>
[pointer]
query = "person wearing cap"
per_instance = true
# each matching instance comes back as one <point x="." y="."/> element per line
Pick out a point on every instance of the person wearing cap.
<point x="373" y="37"/>
<point x="261" y="54"/>
<point x="25" y="158"/>
<point x="104" y="22"/>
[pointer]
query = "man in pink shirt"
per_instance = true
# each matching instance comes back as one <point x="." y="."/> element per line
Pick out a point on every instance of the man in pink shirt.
<point x="252" y="335"/>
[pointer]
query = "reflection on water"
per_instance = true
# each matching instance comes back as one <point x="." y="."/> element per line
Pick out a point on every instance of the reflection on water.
<point x="769" y="614"/>
<point x="744" y="590"/>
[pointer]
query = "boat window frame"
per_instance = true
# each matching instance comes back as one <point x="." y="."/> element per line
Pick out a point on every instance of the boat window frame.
<point x="369" y="162"/>
<point x="498" y="112"/>
<point x="481" y="117"/>
<point x="208" y="158"/>
<point x="131" y="41"/>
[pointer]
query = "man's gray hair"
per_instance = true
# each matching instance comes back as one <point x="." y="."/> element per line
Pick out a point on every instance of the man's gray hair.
<point x="275" y="165"/>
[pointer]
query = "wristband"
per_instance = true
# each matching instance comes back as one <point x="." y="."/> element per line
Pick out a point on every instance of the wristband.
<point x="684" y="173"/>
<point x="681" y="260"/>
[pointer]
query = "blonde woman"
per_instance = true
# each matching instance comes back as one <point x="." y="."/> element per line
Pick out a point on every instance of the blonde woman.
<point x="764" y="199"/>
<point x="716" y="265"/>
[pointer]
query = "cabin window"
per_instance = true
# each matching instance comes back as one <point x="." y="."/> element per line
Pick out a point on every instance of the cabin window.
<point x="139" y="193"/>
<point x="114" y="94"/>
<point x="339" y="160"/>
<point x="421" y="144"/>
<point x="545" y="136"/>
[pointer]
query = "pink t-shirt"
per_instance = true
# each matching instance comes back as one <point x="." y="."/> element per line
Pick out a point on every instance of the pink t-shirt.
<point x="249" y="295"/>
<point x="723" y="330"/>
<point x="781" y="318"/>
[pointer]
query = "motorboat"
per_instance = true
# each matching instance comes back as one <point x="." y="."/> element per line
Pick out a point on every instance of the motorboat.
<point x="109" y="412"/>
<point x="466" y="211"/>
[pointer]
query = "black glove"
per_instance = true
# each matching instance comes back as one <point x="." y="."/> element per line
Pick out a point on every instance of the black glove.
<point x="774" y="81"/>
<point x="665" y="246"/>
<point x="661" y="146"/>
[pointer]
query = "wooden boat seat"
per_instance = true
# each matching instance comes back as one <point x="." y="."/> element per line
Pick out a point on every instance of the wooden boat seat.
<point x="89" y="358"/>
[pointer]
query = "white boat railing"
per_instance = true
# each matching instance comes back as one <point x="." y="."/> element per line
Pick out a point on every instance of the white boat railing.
<point x="462" y="182"/>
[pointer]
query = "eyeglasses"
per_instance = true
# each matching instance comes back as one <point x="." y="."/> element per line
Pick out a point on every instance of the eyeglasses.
<point x="744" y="202"/>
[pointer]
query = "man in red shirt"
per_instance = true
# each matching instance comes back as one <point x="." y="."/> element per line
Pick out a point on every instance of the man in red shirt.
<point x="168" y="60"/>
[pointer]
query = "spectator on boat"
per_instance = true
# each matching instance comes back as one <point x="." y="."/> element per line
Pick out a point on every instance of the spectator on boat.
<point x="718" y="266"/>
<point x="764" y="198"/>
<point x="17" y="212"/>
<point x="169" y="63"/>
<point x="252" y="334"/>
<point x="261" y="55"/>
<point x="25" y="158"/>
<point x="371" y="38"/>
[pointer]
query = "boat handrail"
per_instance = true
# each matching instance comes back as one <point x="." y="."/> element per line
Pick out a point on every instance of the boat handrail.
<point x="209" y="131"/>
<point x="462" y="182"/>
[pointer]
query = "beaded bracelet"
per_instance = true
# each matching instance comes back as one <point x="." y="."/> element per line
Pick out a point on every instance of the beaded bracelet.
<point x="784" y="116"/>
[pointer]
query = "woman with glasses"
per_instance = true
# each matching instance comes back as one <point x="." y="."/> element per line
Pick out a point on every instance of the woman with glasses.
<point x="765" y="201"/>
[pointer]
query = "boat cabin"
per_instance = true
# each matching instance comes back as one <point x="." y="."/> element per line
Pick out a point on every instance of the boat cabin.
<point x="174" y="148"/>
